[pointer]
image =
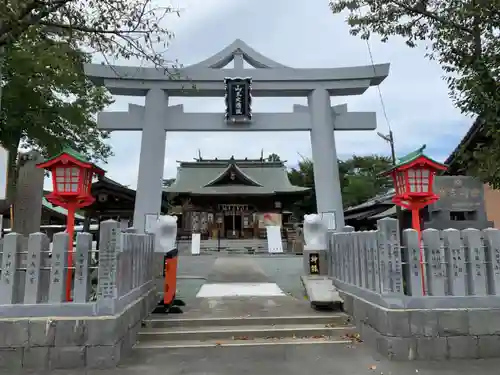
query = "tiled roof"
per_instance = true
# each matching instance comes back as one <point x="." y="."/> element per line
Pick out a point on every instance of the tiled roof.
<point x="193" y="178"/>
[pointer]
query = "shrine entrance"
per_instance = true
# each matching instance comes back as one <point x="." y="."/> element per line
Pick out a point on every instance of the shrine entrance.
<point x="209" y="78"/>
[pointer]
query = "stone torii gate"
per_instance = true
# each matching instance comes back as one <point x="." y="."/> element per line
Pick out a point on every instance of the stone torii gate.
<point x="207" y="79"/>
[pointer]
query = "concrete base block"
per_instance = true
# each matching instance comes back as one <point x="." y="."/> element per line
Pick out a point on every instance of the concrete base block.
<point x="321" y="292"/>
<point x="36" y="358"/>
<point x="103" y="357"/>
<point x="401" y="334"/>
<point x="70" y="357"/>
<point x="62" y="343"/>
<point x="11" y="359"/>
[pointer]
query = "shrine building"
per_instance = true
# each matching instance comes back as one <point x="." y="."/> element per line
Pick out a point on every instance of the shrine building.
<point x="232" y="198"/>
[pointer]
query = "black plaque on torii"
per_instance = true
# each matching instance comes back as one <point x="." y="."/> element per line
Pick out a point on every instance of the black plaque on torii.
<point x="238" y="98"/>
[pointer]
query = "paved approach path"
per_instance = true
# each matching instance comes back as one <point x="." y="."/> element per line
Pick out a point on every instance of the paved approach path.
<point x="238" y="286"/>
<point x="349" y="359"/>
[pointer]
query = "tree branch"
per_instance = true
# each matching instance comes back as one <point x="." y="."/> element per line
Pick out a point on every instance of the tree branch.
<point x="424" y="12"/>
<point x="10" y="32"/>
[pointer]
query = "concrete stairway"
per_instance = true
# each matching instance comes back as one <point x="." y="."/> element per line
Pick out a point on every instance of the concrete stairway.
<point x="171" y="332"/>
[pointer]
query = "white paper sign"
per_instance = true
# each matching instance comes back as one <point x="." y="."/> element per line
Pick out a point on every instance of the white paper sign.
<point x="4" y="164"/>
<point x="195" y="244"/>
<point x="274" y="243"/>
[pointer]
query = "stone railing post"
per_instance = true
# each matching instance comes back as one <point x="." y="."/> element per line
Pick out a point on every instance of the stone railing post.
<point x="455" y="262"/>
<point x="12" y="244"/>
<point x="363" y="264"/>
<point x="412" y="247"/>
<point x="81" y="283"/>
<point x="38" y="245"/>
<point x="58" y="268"/>
<point x="476" y="267"/>
<point x="390" y="256"/>
<point x="492" y="243"/>
<point x="107" y="273"/>
<point x="434" y="257"/>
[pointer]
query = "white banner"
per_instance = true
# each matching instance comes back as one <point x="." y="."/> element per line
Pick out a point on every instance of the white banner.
<point x="274" y="243"/>
<point x="195" y="244"/>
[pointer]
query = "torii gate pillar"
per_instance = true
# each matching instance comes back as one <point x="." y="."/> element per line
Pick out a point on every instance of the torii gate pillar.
<point x="324" y="153"/>
<point x="149" y="192"/>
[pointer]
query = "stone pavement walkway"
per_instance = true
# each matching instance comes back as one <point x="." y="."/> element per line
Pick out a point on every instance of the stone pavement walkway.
<point x="293" y="359"/>
<point x="282" y="360"/>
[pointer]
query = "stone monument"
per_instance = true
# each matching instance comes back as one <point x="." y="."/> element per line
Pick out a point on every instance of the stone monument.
<point x="29" y="194"/>
<point x="315" y="253"/>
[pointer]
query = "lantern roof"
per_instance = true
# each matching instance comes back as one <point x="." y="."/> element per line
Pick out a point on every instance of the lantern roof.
<point x="418" y="155"/>
<point x="74" y="156"/>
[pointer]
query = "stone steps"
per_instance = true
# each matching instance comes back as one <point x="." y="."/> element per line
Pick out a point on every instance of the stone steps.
<point x="166" y="332"/>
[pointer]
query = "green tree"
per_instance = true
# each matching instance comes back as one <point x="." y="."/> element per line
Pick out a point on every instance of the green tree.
<point x="273" y="157"/>
<point x="116" y="28"/>
<point x="463" y="37"/>
<point x="48" y="101"/>
<point x="359" y="178"/>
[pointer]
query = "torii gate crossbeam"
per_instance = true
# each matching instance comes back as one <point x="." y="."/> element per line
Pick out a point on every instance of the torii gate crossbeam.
<point x="206" y="79"/>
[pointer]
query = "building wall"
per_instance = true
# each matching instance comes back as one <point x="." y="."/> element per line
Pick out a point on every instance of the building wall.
<point x="492" y="204"/>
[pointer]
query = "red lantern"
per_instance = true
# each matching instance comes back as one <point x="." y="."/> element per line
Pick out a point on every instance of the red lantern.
<point x="413" y="179"/>
<point x="72" y="175"/>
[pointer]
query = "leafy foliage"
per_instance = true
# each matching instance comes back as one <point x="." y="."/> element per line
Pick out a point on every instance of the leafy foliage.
<point x="116" y="28"/>
<point x="48" y="102"/>
<point x="464" y="37"/>
<point x="273" y="157"/>
<point x="359" y="177"/>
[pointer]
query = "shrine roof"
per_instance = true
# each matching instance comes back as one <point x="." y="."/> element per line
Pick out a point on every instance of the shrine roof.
<point x="261" y="177"/>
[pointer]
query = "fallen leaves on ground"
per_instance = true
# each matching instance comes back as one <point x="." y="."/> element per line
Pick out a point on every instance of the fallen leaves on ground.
<point x="243" y="338"/>
<point x="355" y="337"/>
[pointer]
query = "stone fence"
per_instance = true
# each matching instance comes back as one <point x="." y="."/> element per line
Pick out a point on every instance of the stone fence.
<point x="111" y="294"/>
<point x="379" y="276"/>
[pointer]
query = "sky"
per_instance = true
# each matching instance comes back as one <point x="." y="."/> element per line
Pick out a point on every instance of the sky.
<point x="416" y="100"/>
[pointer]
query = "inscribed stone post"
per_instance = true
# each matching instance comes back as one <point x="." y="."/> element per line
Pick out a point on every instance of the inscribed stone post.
<point x="369" y="260"/>
<point x="364" y="259"/>
<point x="37" y="245"/>
<point x="351" y="266"/>
<point x="58" y="268"/>
<point x="390" y="255"/>
<point x="412" y="248"/>
<point x="355" y="251"/>
<point x="492" y="242"/>
<point x="81" y="283"/>
<point x="331" y="251"/>
<point x="133" y="252"/>
<point x="107" y="292"/>
<point x="124" y="266"/>
<point x="12" y="242"/>
<point x="340" y="256"/>
<point x="29" y="194"/>
<point x="373" y="249"/>
<point x="141" y="252"/>
<point x="455" y="262"/>
<point x="475" y="257"/>
<point x="435" y="271"/>
<point x="151" y="245"/>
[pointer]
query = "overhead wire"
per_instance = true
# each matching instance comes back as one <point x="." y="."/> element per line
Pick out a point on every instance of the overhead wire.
<point x="382" y="102"/>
